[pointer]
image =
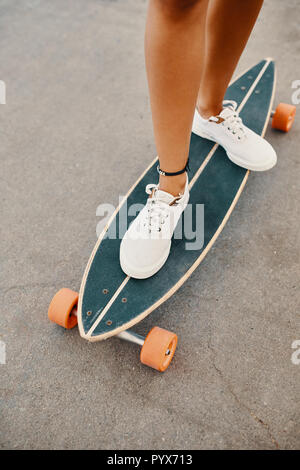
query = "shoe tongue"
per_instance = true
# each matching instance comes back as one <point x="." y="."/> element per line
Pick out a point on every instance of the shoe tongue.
<point x="226" y="112"/>
<point x="163" y="196"/>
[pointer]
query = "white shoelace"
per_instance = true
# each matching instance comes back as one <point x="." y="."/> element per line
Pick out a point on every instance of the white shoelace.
<point x="158" y="210"/>
<point x="232" y="121"/>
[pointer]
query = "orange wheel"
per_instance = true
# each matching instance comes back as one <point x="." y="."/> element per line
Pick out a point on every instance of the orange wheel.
<point x="61" y="308"/>
<point x="284" y="117"/>
<point x="159" y="348"/>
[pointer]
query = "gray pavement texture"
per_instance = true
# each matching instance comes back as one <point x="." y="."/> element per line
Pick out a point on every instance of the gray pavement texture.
<point x="76" y="132"/>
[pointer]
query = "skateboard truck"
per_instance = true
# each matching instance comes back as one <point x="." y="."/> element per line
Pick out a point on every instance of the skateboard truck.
<point x="157" y="348"/>
<point x="132" y="337"/>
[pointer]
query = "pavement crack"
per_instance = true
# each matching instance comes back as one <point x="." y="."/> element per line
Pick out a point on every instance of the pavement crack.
<point x="239" y="402"/>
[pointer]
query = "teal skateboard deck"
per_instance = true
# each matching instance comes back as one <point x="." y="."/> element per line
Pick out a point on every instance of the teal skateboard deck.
<point x="111" y="302"/>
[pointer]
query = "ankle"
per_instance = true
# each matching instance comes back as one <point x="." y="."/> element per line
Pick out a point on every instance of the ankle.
<point x="173" y="184"/>
<point x="208" y="110"/>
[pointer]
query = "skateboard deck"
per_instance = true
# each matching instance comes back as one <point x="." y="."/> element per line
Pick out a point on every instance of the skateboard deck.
<point x="111" y="302"/>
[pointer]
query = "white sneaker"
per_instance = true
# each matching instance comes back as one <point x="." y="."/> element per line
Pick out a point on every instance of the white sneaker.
<point x="146" y="244"/>
<point x="243" y="146"/>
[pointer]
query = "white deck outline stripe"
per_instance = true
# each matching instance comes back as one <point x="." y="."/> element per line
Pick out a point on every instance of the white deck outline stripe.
<point x="87" y="268"/>
<point x="204" y="252"/>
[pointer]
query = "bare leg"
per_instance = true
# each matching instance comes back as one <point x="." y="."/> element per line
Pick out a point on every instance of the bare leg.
<point x="228" y="27"/>
<point x="174" y="47"/>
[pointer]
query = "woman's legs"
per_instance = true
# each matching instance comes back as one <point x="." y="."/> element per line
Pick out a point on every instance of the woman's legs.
<point x="174" y="49"/>
<point x="228" y="27"/>
<point x="177" y="62"/>
<point x="188" y="42"/>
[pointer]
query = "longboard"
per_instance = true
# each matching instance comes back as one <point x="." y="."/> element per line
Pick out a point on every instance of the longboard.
<point x="109" y="301"/>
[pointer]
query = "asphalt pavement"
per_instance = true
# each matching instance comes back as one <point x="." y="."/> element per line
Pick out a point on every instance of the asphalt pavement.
<point x="76" y="132"/>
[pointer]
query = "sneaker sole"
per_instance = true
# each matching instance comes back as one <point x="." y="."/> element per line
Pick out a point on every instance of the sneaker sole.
<point x="143" y="274"/>
<point x="235" y="159"/>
